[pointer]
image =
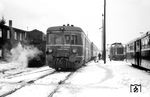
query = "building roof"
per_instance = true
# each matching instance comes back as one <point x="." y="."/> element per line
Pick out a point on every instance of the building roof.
<point x="16" y="29"/>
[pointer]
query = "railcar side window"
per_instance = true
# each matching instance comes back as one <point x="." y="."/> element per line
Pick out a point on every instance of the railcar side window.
<point x="130" y="47"/>
<point x="145" y="42"/>
<point x="50" y="39"/>
<point x="0" y="32"/>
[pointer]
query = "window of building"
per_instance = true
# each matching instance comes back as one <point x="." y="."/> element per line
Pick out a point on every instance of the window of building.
<point x="25" y="35"/>
<point x="8" y="34"/>
<point x="0" y="53"/>
<point x="21" y="36"/>
<point x="15" y="35"/>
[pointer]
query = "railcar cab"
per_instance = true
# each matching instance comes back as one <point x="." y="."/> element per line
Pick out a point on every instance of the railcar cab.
<point x="63" y="38"/>
<point x="116" y="51"/>
<point x="64" y="42"/>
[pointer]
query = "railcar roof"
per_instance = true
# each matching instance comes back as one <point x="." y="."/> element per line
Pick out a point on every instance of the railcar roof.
<point x="66" y="28"/>
<point x="140" y="37"/>
<point x="117" y="43"/>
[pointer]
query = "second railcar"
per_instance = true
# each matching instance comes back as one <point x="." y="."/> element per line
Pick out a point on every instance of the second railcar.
<point x="67" y="47"/>
<point x="94" y="51"/>
<point x="138" y="51"/>
<point x="116" y="52"/>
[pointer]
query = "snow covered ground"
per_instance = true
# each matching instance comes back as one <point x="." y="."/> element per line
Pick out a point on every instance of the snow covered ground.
<point x="13" y="78"/>
<point x="113" y="79"/>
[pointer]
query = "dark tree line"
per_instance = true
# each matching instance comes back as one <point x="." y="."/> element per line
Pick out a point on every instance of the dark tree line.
<point x="2" y="21"/>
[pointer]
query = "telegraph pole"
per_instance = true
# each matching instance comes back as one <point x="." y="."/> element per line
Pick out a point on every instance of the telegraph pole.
<point x="104" y="33"/>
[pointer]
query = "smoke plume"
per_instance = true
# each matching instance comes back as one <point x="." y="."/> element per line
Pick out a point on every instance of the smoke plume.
<point x="20" y="55"/>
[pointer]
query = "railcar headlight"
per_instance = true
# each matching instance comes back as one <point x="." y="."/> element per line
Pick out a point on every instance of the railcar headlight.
<point x="74" y="50"/>
<point x="50" y="50"/>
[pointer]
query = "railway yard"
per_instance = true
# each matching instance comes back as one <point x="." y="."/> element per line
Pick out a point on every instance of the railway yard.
<point x="51" y="48"/>
<point x="95" y="79"/>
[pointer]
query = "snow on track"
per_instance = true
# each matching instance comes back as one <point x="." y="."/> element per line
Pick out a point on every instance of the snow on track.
<point x="44" y="87"/>
<point x="7" y="86"/>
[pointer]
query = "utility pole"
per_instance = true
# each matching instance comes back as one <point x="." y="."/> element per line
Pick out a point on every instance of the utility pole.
<point x="104" y="33"/>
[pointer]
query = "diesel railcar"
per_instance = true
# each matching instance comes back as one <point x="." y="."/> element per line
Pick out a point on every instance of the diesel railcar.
<point x="67" y="47"/>
<point x="138" y="51"/>
<point x="116" y="52"/>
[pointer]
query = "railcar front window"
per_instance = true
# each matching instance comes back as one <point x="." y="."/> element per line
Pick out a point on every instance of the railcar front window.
<point x="67" y="39"/>
<point x="73" y="39"/>
<point x="61" y="39"/>
<point x="55" y="39"/>
<point x="119" y="50"/>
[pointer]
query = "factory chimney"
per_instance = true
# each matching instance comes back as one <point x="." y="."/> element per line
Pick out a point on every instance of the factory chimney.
<point x="10" y="23"/>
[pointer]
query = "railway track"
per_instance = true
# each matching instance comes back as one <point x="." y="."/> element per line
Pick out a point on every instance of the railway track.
<point x="9" y="80"/>
<point x="47" y="79"/>
<point x="22" y="73"/>
<point x="60" y="83"/>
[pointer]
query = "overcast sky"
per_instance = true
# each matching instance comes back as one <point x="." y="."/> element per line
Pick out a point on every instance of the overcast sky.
<point x="125" y="18"/>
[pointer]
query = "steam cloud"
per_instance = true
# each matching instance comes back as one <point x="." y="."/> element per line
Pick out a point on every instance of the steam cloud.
<point x="20" y="55"/>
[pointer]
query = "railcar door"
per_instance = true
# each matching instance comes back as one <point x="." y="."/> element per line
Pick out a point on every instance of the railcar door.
<point x="138" y="52"/>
